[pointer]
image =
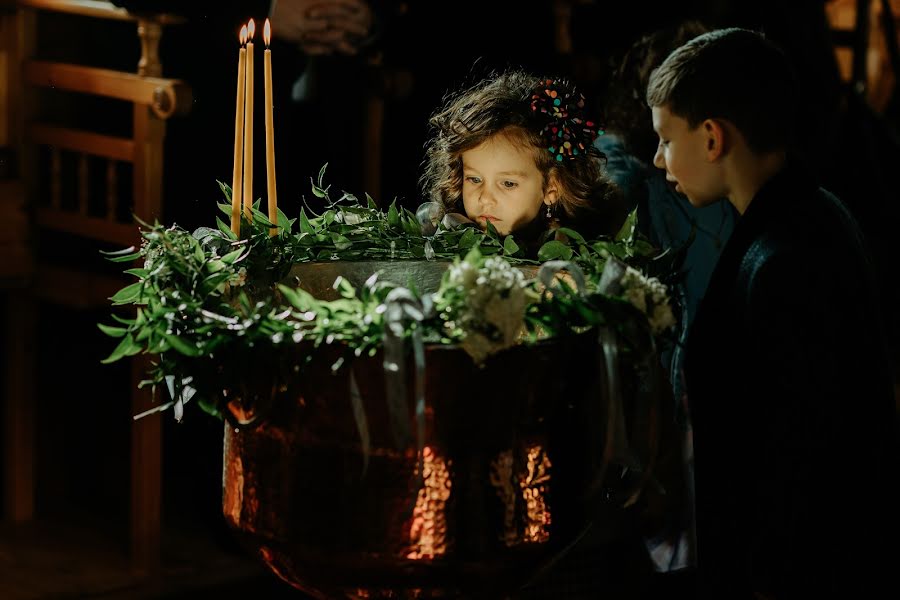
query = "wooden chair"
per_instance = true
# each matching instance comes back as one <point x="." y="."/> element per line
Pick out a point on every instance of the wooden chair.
<point x="98" y="216"/>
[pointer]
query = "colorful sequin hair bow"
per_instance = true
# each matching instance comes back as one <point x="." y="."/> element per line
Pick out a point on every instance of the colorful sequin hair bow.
<point x="568" y="133"/>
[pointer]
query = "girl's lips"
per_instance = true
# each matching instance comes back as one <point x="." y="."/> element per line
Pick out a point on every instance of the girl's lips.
<point x="488" y="218"/>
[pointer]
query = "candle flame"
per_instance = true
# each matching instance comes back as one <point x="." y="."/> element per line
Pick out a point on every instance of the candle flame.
<point x="243" y="35"/>
<point x="267" y="32"/>
<point x="251" y="28"/>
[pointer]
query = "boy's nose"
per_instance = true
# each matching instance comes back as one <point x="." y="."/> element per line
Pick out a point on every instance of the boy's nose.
<point x="658" y="160"/>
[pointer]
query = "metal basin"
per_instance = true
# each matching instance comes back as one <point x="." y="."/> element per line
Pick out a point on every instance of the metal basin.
<point x="509" y="476"/>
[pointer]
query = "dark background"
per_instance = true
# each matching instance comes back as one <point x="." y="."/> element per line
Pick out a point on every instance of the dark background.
<point x="427" y="49"/>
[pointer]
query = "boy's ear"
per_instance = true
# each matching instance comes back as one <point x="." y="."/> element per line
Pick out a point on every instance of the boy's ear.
<point x="715" y="139"/>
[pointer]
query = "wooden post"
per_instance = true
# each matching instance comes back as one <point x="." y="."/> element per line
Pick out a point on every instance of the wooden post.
<point x="372" y="135"/>
<point x="146" y="433"/>
<point x="19" y="411"/>
<point x="146" y="437"/>
<point x="21" y="327"/>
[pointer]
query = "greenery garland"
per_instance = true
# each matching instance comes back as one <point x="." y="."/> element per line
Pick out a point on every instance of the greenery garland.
<point x="210" y="306"/>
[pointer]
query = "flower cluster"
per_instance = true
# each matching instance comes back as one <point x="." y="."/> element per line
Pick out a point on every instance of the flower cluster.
<point x="493" y="304"/>
<point x="649" y="296"/>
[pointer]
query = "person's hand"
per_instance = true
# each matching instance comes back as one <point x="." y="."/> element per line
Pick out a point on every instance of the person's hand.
<point x="323" y="26"/>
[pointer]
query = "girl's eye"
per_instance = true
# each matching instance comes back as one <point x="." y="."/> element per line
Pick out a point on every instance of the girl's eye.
<point x="473" y="179"/>
<point x="663" y="143"/>
<point x="509" y="184"/>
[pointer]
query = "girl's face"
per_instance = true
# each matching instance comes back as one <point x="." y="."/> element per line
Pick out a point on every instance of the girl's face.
<point x="502" y="184"/>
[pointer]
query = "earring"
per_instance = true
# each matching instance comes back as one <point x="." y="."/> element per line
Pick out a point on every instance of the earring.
<point x="549" y="211"/>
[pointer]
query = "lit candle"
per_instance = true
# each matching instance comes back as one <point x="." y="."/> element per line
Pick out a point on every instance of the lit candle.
<point x="248" y="126"/>
<point x="270" y="129"/>
<point x="237" y="172"/>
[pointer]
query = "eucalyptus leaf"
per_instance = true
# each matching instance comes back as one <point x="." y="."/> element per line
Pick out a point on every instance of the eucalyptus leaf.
<point x="115" y="332"/>
<point x="127" y="347"/>
<point x="554" y="250"/>
<point x="510" y="247"/>
<point x="129" y="294"/>
<point x="226" y="191"/>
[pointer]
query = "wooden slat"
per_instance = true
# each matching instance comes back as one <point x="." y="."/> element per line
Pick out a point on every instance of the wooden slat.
<point x="112" y="190"/>
<point x="94" y="8"/>
<point x="76" y="140"/>
<point x="83" y="184"/>
<point x="103" y="82"/>
<point x="96" y="228"/>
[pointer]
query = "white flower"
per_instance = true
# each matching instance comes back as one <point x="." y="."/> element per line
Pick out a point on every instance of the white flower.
<point x="494" y="312"/>
<point x="650" y="296"/>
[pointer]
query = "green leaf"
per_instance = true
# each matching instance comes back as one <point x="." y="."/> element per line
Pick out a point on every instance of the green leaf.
<point x="127" y="347"/>
<point x="473" y="257"/>
<point x="232" y="257"/>
<point x="226" y="190"/>
<point x="118" y="256"/>
<point x="305" y="226"/>
<point x="340" y="242"/>
<point x="370" y="202"/>
<point x="510" y="247"/>
<point x="491" y="231"/>
<point x="225" y="209"/>
<point x="468" y="239"/>
<point x="182" y="346"/>
<point x="124" y="252"/>
<point x="554" y="250"/>
<point x="262" y="218"/>
<point x="321" y="178"/>
<point x="139" y="273"/>
<point x="626" y="233"/>
<point x="286" y="224"/>
<point x="571" y="234"/>
<point x="344" y="288"/>
<point x="393" y="216"/>
<point x="298" y="298"/>
<point x="225" y="228"/>
<point x="115" y="332"/>
<point x="128" y="294"/>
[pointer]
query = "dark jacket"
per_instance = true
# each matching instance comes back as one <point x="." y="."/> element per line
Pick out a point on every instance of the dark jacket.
<point x="790" y="391"/>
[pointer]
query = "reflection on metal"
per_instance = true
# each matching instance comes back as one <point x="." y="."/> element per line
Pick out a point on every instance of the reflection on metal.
<point x="537" y="512"/>
<point x="428" y="534"/>
<point x="525" y="488"/>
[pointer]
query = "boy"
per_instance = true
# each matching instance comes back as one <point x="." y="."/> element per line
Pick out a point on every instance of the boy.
<point x="788" y="376"/>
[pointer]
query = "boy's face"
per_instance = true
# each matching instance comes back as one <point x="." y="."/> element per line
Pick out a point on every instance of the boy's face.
<point x="685" y="154"/>
<point x="501" y="184"/>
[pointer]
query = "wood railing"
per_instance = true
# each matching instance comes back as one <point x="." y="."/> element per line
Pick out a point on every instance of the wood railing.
<point x="100" y="213"/>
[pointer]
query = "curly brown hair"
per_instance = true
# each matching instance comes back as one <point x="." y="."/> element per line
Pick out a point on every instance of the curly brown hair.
<point x="628" y="114"/>
<point x="501" y="105"/>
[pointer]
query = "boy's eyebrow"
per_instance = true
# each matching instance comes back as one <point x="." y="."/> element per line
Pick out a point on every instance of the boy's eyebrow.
<point x="519" y="173"/>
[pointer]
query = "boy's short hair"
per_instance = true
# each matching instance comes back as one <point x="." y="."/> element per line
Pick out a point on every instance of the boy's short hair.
<point x="733" y="74"/>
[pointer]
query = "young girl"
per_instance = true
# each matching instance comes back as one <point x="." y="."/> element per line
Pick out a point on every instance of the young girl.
<point x="517" y="151"/>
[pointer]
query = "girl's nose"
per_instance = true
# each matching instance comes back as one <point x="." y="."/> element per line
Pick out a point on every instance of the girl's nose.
<point x="487" y="197"/>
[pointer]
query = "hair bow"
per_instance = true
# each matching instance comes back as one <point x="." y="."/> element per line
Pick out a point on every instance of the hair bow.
<point x="568" y="133"/>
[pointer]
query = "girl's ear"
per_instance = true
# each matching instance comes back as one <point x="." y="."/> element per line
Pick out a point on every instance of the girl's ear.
<point x="551" y="195"/>
<point x="715" y="139"/>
